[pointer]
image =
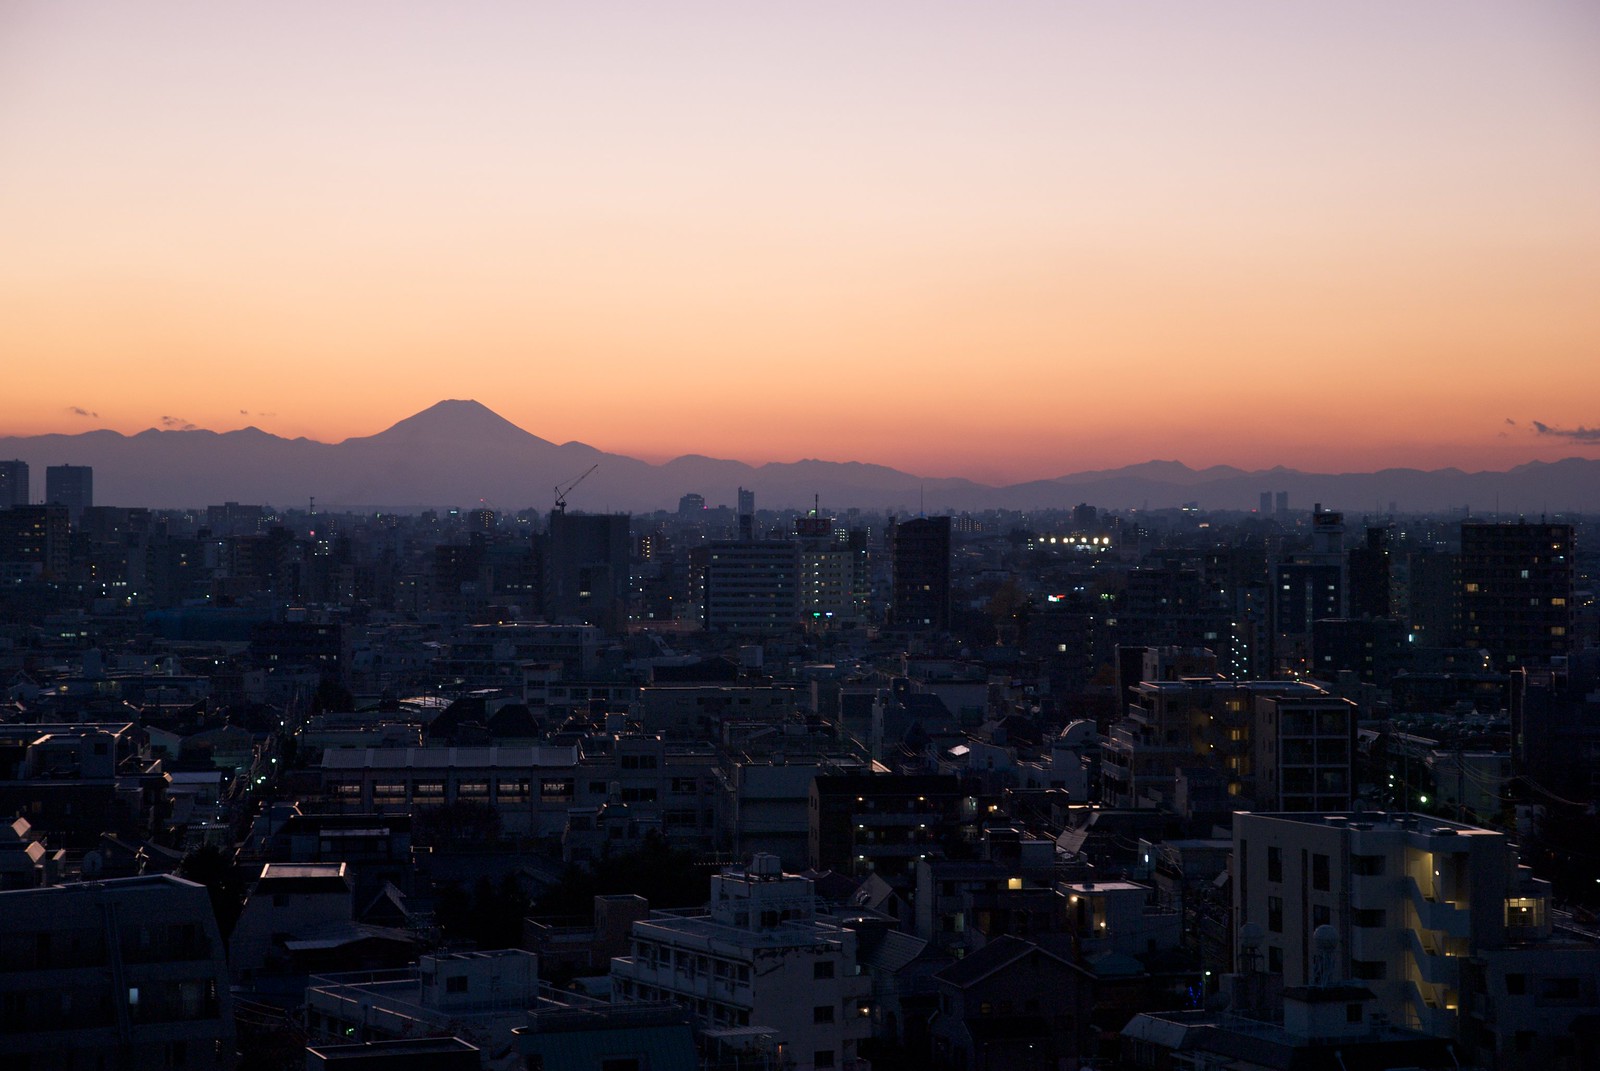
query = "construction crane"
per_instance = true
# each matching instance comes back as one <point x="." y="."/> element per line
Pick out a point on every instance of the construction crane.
<point x="562" y="490"/>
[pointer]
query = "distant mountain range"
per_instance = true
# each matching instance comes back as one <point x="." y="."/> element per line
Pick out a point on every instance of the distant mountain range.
<point x="458" y="453"/>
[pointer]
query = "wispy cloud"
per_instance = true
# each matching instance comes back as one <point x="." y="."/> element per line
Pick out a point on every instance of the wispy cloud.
<point x="173" y="423"/>
<point x="1579" y="434"/>
<point x="78" y="410"/>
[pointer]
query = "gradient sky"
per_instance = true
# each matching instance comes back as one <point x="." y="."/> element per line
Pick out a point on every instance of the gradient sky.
<point x="1003" y="241"/>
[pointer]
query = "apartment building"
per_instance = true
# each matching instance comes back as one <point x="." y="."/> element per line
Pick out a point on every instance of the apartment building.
<point x="124" y="973"/>
<point x="760" y="957"/>
<point x="1437" y="918"/>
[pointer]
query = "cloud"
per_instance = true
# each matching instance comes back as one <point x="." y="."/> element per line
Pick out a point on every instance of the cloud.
<point x="78" y="410"/>
<point x="1579" y="434"/>
<point x="178" y="424"/>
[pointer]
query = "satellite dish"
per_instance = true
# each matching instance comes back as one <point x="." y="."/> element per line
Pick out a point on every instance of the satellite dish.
<point x="93" y="865"/>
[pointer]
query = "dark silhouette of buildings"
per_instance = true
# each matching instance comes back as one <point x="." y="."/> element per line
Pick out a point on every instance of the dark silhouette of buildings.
<point x="1517" y="592"/>
<point x="587" y="579"/>
<point x="1307" y="585"/>
<point x="920" y="553"/>
<point x="1371" y="576"/>
<point x="71" y="486"/>
<point x="13" y="483"/>
<point x="35" y="543"/>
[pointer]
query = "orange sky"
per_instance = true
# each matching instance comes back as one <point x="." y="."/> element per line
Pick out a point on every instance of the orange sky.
<point x="1000" y="241"/>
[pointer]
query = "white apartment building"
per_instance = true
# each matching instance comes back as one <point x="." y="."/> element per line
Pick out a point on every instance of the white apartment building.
<point x="1435" y="917"/>
<point x="760" y="957"/>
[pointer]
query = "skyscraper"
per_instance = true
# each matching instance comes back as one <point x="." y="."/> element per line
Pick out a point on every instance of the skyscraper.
<point x="587" y="579"/>
<point x="747" y="515"/>
<point x="920" y="549"/>
<point x="13" y="483"/>
<point x="71" y="486"/>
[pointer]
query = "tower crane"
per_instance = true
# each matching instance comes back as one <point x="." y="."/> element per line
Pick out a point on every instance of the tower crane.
<point x="562" y="490"/>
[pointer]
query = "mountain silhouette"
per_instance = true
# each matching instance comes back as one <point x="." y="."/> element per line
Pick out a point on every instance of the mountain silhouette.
<point x="461" y="453"/>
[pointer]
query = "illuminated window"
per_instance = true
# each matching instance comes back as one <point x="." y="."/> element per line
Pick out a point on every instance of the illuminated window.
<point x="1525" y="912"/>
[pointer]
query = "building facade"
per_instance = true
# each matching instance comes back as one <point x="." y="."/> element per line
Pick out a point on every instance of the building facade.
<point x="762" y="957"/>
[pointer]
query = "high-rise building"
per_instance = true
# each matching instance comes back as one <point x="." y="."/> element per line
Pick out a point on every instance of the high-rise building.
<point x="752" y="587"/>
<point x="691" y="505"/>
<point x="1307" y="585"/>
<point x="1517" y="592"/>
<point x="35" y="543"/>
<point x="13" y="483"/>
<point x="747" y="515"/>
<point x="587" y="579"/>
<point x="1370" y="576"/>
<point x="920" y="553"/>
<point x="71" y="486"/>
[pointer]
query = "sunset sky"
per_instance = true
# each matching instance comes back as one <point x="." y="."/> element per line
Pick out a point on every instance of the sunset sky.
<point x="1003" y="241"/>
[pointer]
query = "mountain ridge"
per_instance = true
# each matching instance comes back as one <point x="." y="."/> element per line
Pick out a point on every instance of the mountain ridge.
<point x="459" y="451"/>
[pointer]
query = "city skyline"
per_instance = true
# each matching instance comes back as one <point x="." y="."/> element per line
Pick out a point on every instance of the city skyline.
<point x="999" y="246"/>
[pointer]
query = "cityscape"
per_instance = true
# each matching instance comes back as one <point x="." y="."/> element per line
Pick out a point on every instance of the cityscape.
<point x="727" y="786"/>
<point x="875" y="536"/>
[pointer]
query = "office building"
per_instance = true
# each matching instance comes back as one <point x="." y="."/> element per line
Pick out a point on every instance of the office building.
<point x="71" y="486"/>
<point x="752" y="587"/>
<point x="13" y="483"/>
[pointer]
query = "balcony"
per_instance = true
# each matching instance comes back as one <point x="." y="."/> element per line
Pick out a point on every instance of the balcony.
<point x="1429" y="1014"/>
<point x="1433" y="964"/>
<point x="1373" y="942"/>
<point x="1371" y="890"/>
<point x="1441" y="915"/>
